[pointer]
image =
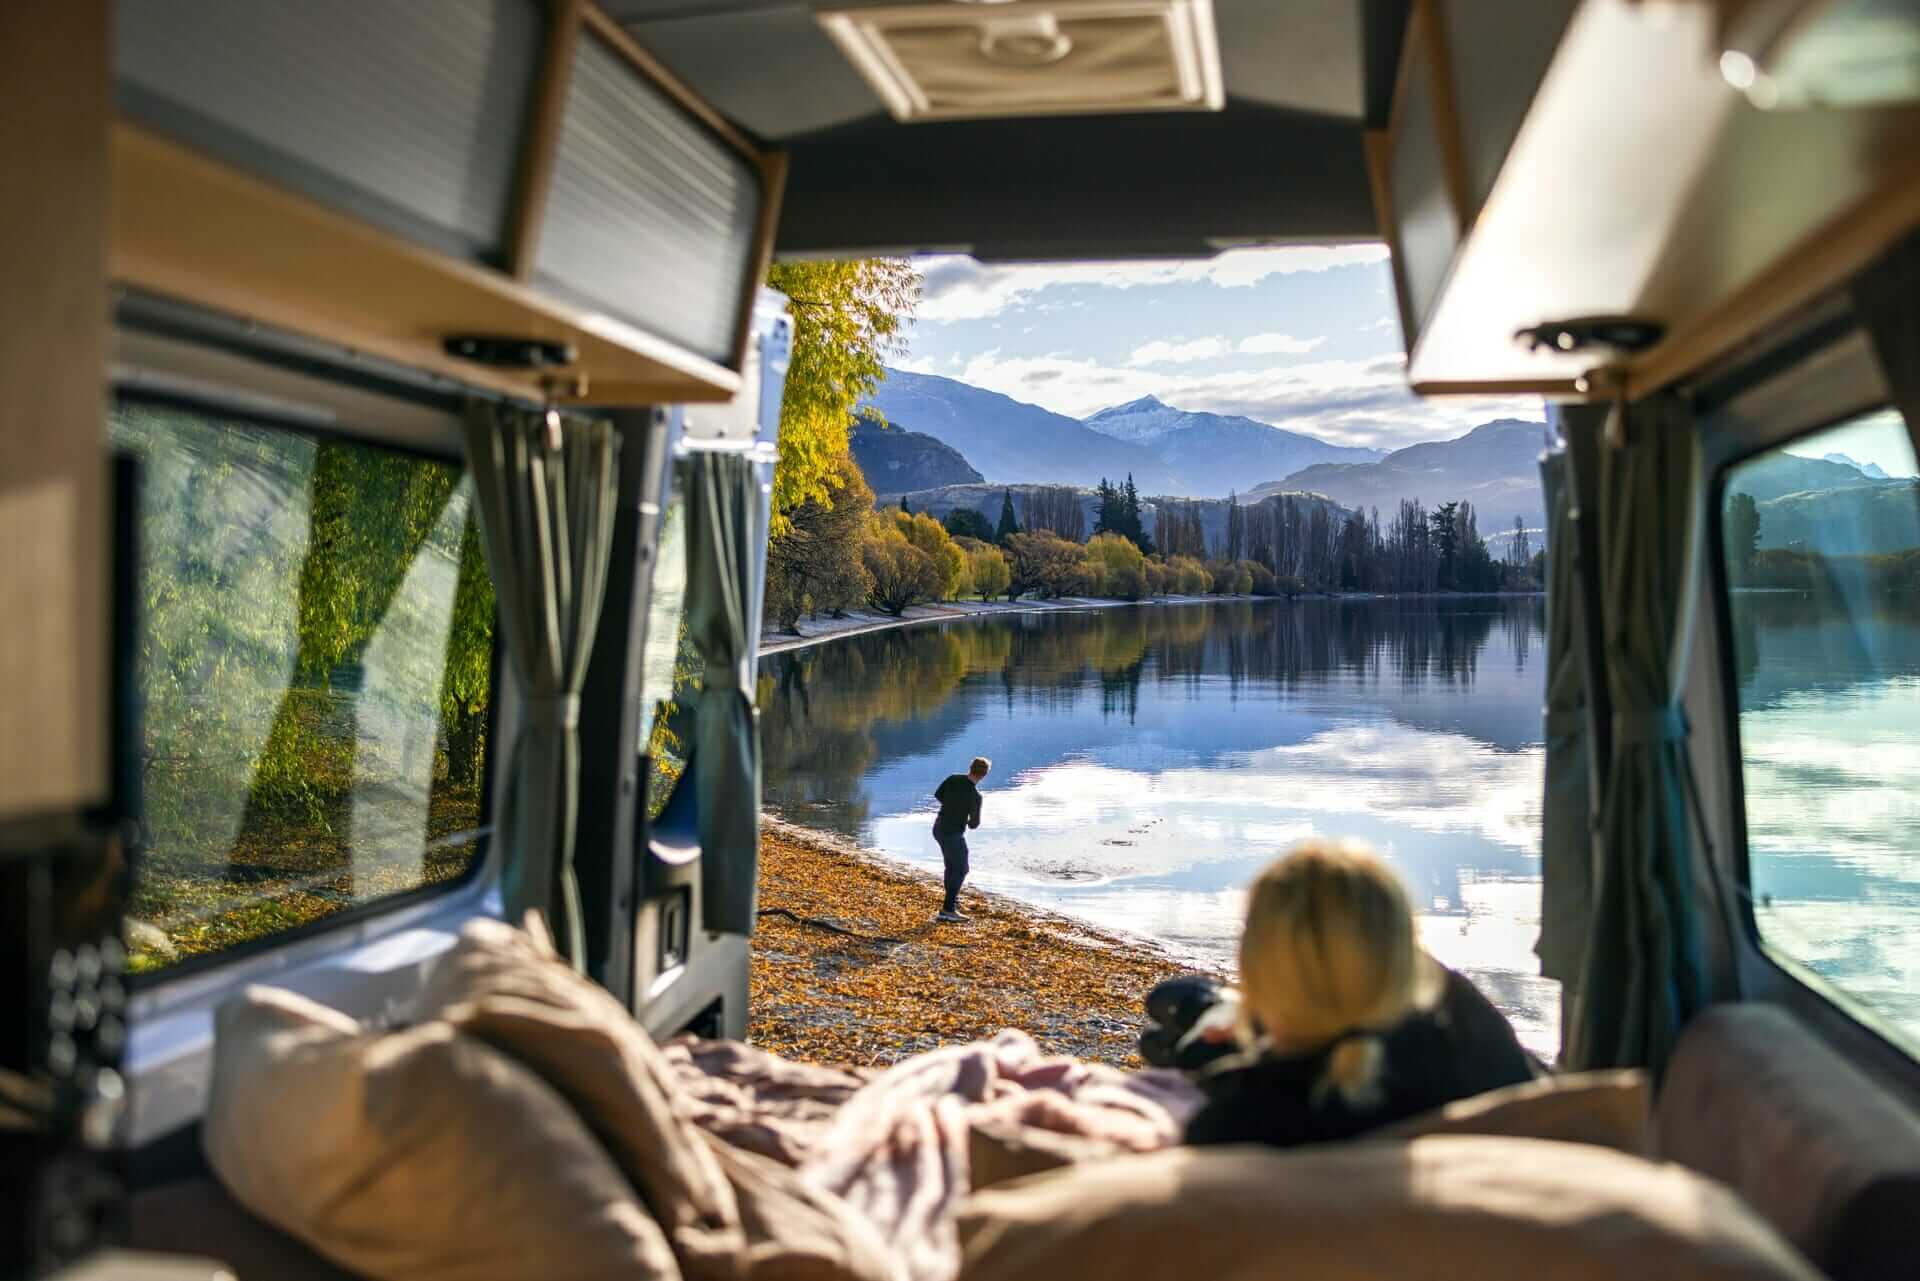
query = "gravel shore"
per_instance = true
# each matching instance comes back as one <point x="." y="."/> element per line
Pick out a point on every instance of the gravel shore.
<point x="849" y="965"/>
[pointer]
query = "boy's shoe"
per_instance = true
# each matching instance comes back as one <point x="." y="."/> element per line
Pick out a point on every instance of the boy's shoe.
<point x="951" y="916"/>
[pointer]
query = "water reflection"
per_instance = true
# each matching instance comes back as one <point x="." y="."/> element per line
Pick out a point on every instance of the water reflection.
<point x="1830" y="741"/>
<point x="1149" y="760"/>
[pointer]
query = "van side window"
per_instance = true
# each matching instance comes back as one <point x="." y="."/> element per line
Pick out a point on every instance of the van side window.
<point x="668" y="672"/>
<point x="1821" y="539"/>
<point x="315" y="662"/>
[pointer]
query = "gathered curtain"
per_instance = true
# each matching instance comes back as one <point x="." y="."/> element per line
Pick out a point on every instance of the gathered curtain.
<point x="1641" y="973"/>
<point x="724" y="760"/>
<point x="1566" y="839"/>
<point x="547" y="487"/>
<point x="1887" y="296"/>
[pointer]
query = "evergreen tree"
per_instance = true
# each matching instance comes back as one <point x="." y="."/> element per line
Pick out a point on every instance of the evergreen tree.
<point x="903" y="505"/>
<point x="1742" y="529"/>
<point x="1008" y="526"/>
<point x="1130" y="507"/>
<point x="1107" y="516"/>
<point x="1236" y="527"/>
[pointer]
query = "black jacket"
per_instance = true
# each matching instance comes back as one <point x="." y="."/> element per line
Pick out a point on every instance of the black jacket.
<point x="959" y="805"/>
<point x="1459" y="1048"/>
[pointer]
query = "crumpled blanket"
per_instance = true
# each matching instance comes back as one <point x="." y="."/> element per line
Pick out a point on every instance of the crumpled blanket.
<point x="759" y="1101"/>
<point x="894" y="1146"/>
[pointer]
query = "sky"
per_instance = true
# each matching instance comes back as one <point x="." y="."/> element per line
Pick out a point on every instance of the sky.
<point x="1302" y="337"/>
<point x="1872" y="438"/>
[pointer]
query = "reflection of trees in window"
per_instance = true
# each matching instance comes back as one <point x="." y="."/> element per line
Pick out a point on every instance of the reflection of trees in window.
<point x="315" y="659"/>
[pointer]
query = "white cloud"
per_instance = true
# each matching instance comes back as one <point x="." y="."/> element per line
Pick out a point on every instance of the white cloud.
<point x="956" y="287"/>
<point x="1349" y="402"/>
<point x="1278" y="345"/>
<point x="1179" y="353"/>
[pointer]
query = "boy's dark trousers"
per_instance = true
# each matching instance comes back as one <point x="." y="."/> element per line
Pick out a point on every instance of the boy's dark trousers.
<point x="953" y="851"/>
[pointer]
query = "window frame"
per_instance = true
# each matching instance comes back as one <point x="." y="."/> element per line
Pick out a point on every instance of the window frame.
<point x="277" y="415"/>
<point x="1813" y="399"/>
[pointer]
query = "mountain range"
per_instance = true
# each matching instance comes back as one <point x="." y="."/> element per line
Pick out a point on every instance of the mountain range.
<point x="1496" y="467"/>
<point x="1012" y="442"/>
<point x="1215" y="454"/>
<point x="895" y="460"/>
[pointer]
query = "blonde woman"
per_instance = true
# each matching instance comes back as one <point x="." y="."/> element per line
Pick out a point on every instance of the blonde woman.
<point x="1361" y="1028"/>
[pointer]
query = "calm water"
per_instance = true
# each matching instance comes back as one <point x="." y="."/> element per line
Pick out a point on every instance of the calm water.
<point x="1148" y="761"/>
<point x="1830" y="737"/>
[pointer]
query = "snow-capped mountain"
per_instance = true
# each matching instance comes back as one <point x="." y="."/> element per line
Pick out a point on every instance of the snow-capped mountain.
<point x="1215" y="454"/>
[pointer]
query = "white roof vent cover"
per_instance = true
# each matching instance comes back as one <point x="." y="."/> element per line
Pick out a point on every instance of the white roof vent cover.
<point x="1034" y="57"/>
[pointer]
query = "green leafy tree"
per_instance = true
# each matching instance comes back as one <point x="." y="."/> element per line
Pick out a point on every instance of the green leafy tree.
<point x="1008" y="526"/>
<point x="965" y="522"/>
<point x="849" y="319"/>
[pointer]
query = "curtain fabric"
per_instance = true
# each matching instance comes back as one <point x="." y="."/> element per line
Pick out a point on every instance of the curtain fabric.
<point x="724" y="761"/>
<point x="547" y="487"/>
<point x="1566" y="844"/>
<point x="1887" y="296"/>
<point x="1641" y="974"/>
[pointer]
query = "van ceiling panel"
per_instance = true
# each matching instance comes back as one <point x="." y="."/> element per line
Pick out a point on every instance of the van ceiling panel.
<point x="1281" y="162"/>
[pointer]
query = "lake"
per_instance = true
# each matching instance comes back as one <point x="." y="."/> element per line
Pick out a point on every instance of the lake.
<point x="1149" y="760"/>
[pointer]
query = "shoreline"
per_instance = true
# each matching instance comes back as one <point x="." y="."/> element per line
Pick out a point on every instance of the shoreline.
<point x="849" y="967"/>
<point x="861" y="622"/>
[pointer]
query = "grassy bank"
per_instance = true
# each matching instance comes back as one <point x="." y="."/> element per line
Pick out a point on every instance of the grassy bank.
<point x="850" y="967"/>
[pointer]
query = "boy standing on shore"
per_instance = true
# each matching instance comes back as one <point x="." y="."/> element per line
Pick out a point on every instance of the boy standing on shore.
<point x="959" y="798"/>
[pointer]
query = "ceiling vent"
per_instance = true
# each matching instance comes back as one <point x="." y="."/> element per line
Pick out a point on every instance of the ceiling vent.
<point x="1026" y="58"/>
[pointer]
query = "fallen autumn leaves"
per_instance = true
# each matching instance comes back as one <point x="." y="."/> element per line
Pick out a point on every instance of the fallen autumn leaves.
<point x="850" y="967"/>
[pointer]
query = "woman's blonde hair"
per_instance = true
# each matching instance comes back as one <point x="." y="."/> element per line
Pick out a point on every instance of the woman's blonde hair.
<point x="1329" y="958"/>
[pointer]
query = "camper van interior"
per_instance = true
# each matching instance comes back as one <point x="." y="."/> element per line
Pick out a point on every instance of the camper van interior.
<point x="389" y="398"/>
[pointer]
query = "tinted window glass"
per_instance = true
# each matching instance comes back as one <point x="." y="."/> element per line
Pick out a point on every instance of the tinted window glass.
<point x="1822" y="543"/>
<point x="667" y="674"/>
<point x="315" y="660"/>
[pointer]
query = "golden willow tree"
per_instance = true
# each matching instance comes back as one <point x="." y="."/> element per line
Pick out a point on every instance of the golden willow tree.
<point x="849" y="319"/>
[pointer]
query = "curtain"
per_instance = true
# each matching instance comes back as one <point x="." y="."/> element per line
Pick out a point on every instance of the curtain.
<point x="1566" y="842"/>
<point x="1641" y="974"/>
<point x="546" y="486"/>
<point x="724" y="761"/>
<point x="1887" y="296"/>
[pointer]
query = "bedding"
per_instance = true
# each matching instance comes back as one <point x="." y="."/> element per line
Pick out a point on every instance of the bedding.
<point x="417" y="1155"/>
<point x="1439" y="1208"/>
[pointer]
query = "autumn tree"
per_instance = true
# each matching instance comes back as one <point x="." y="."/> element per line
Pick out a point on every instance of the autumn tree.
<point x="849" y="319"/>
<point x="926" y="533"/>
<point x="991" y="577"/>
<point x="1120" y="568"/>
<point x="901" y="573"/>
<point x="817" y="567"/>
<point x="1046" y="565"/>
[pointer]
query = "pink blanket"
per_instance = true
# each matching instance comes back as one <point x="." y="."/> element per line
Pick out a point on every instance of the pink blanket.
<point x="895" y="1145"/>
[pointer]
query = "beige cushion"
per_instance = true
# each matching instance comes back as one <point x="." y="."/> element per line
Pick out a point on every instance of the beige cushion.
<point x="795" y="1231"/>
<point x="1829" y="1157"/>
<point x="422" y="1155"/>
<point x="508" y="988"/>
<point x="1439" y="1208"/>
<point x="198" y="1216"/>
<point x="728" y="1215"/>
<point x="998" y="1151"/>
<point x="1611" y="1109"/>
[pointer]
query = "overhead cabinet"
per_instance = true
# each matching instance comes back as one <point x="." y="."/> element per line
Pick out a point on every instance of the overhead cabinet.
<point x="1636" y="146"/>
<point x="393" y="176"/>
